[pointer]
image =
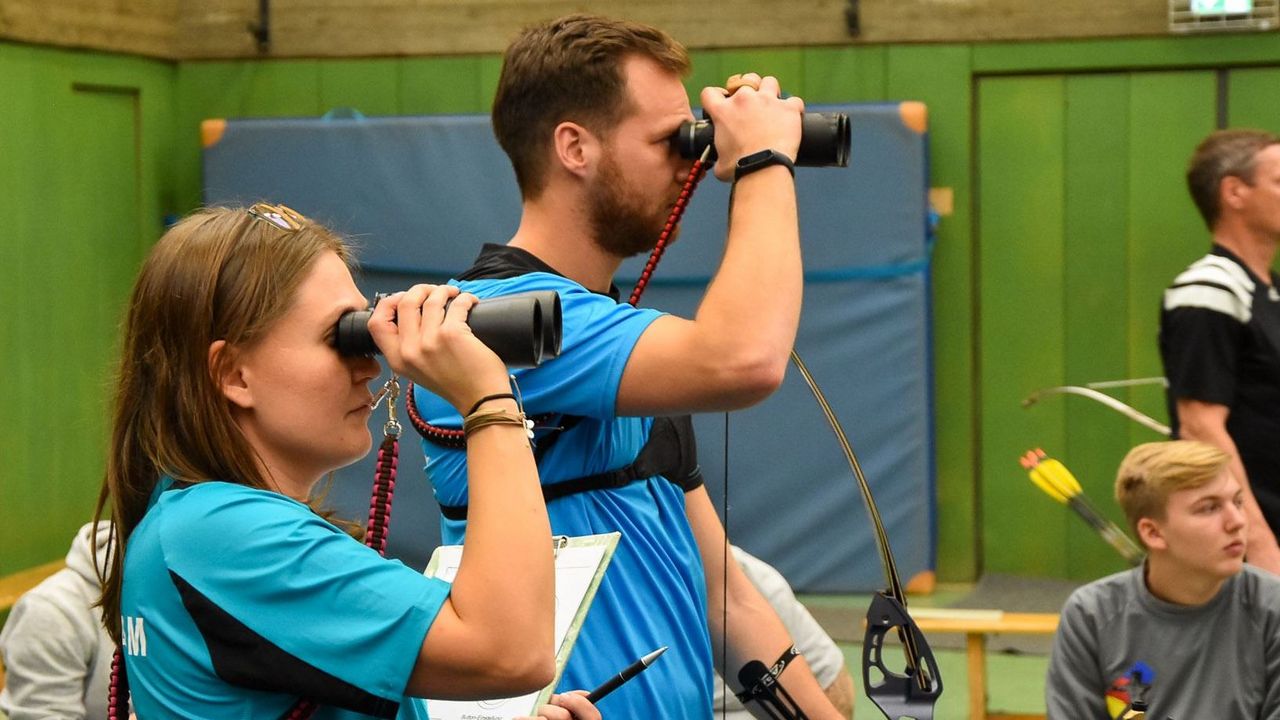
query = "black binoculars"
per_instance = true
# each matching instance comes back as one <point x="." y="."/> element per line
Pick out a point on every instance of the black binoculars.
<point x="824" y="139"/>
<point x="521" y="329"/>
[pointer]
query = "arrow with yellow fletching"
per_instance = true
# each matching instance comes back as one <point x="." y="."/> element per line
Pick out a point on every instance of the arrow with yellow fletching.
<point x="1058" y="483"/>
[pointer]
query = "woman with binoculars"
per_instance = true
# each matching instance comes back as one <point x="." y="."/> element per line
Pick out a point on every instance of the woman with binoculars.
<point x="232" y="597"/>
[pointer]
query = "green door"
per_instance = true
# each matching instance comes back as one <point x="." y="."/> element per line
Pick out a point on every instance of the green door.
<point x="1083" y="218"/>
<point x="70" y="253"/>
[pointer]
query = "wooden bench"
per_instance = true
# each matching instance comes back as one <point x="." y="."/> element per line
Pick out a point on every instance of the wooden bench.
<point x="976" y="625"/>
<point x="13" y="586"/>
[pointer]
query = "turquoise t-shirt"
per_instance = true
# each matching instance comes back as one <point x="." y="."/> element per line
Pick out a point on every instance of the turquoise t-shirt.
<point x="654" y="592"/>
<point x="237" y="602"/>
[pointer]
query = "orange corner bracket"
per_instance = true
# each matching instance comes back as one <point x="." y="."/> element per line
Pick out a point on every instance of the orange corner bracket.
<point x="211" y="131"/>
<point x="915" y="115"/>
<point x="923" y="583"/>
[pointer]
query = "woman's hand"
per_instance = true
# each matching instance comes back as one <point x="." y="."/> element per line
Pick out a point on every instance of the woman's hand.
<point x="434" y="347"/>
<point x="569" y="706"/>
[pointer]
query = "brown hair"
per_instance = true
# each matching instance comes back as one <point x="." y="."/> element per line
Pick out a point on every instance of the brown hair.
<point x="1225" y="153"/>
<point x="1153" y="471"/>
<point x="569" y="69"/>
<point x="218" y="274"/>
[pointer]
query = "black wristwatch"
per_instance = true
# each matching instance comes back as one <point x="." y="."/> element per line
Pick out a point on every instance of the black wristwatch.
<point x="748" y="164"/>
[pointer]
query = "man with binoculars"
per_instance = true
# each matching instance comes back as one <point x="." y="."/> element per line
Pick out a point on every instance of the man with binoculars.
<point x="586" y="108"/>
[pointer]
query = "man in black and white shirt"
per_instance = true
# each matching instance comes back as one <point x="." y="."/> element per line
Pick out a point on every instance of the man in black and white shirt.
<point x="1220" y="324"/>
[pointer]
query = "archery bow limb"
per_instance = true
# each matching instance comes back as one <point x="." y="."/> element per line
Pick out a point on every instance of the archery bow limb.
<point x="1127" y="410"/>
<point x="913" y="692"/>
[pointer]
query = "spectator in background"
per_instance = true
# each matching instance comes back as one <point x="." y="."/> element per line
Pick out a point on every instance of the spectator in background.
<point x="824" y="656"/>
<point x="1193" y="632"/>
<point x="56" y="654"/>
<point x="1220" y="325"/>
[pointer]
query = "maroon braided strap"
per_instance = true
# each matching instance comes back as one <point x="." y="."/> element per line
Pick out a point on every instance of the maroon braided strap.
<point x="696" y="174"/>
<point x="118" y="692"/>
<point x="303" y="710"/>
<point x="452" y="438"/>
<point x="384" y="487"/>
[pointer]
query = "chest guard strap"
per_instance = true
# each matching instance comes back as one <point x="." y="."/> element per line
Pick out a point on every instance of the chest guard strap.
<point x="670" y="452"/>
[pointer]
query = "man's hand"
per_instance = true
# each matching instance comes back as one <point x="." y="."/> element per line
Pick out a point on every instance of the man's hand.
<point x="750" y="115"/>
<point x="568" y="706"/>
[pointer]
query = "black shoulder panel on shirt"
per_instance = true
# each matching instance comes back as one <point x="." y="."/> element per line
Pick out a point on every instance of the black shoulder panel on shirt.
<point x="245" y="659"/>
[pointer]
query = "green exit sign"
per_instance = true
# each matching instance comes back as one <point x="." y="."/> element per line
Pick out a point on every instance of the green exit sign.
<point x="1221" y="7"/>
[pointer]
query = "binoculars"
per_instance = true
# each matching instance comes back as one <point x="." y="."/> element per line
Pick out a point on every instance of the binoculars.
<point x="521" y="329"/>
<point x="824" y="139"/>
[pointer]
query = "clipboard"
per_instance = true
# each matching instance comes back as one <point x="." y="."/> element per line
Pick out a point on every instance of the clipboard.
<point x="580" y="566"/>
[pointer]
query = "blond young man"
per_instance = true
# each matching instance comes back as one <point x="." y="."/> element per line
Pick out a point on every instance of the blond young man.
<point x="1193" y="632"/>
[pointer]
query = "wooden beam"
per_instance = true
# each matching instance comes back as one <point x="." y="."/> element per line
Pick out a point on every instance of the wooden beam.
<point x="195" y="29"/>
<point x="139" y="27"/>
<point x="351" y="28"/>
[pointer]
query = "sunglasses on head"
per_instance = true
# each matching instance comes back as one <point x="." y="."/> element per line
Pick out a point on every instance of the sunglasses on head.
<point x="282" y="216"/>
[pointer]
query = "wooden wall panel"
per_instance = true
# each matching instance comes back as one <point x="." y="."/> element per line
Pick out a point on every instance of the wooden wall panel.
<point x="329" y="28"/>
<point x="211" y="29"/>
<point x="140" y="27"/>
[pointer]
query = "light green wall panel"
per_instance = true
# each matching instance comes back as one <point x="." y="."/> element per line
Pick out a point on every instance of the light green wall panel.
<point x="1021" y="161"/>
<point x="442" y="85"/>
<point x="856" y="73"/>
<point x="83" y="182"/>
<point x="371" y="87"/>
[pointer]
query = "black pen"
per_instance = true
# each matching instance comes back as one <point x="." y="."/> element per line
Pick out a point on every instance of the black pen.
<point x="629" y="672"/>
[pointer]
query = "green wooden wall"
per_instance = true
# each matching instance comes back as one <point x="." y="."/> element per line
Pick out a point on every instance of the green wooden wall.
<point x="84" y="181"/>
<point x="1065" y="159"/>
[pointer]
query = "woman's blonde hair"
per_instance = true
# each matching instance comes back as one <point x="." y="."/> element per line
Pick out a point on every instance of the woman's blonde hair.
<point x="1151" y="472"/>
<point x="218" y="274"/>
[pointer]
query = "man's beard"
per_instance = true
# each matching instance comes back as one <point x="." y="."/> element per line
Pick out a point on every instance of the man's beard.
<point x="618" y="225"/>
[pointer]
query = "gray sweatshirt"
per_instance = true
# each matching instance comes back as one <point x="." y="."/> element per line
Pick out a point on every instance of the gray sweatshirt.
<point x="1217" y="661"/>
<point x="57" y="657"/>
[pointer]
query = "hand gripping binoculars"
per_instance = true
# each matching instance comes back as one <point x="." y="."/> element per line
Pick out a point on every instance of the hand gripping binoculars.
<point x="824" y="139"/>
<point x="522" y="329"/>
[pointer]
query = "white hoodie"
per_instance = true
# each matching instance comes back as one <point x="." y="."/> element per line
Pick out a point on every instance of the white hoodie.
<point x="57" y="656"/>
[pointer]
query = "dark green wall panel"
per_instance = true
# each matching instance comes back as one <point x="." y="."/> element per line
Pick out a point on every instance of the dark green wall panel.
<point x="1126" y="54"/>
<point x="1084" y="220"/>
<point x="1169" y="114"/>
<point x="1095" y="286"/>
<point x="938" y="75"/>
<point x="1021" y="309"/>
<point x="1254" y="98"/>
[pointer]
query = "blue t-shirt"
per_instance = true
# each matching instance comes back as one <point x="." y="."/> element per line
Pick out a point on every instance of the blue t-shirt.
<point x="237" y="602"/>
<point x="654" y="592"/>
